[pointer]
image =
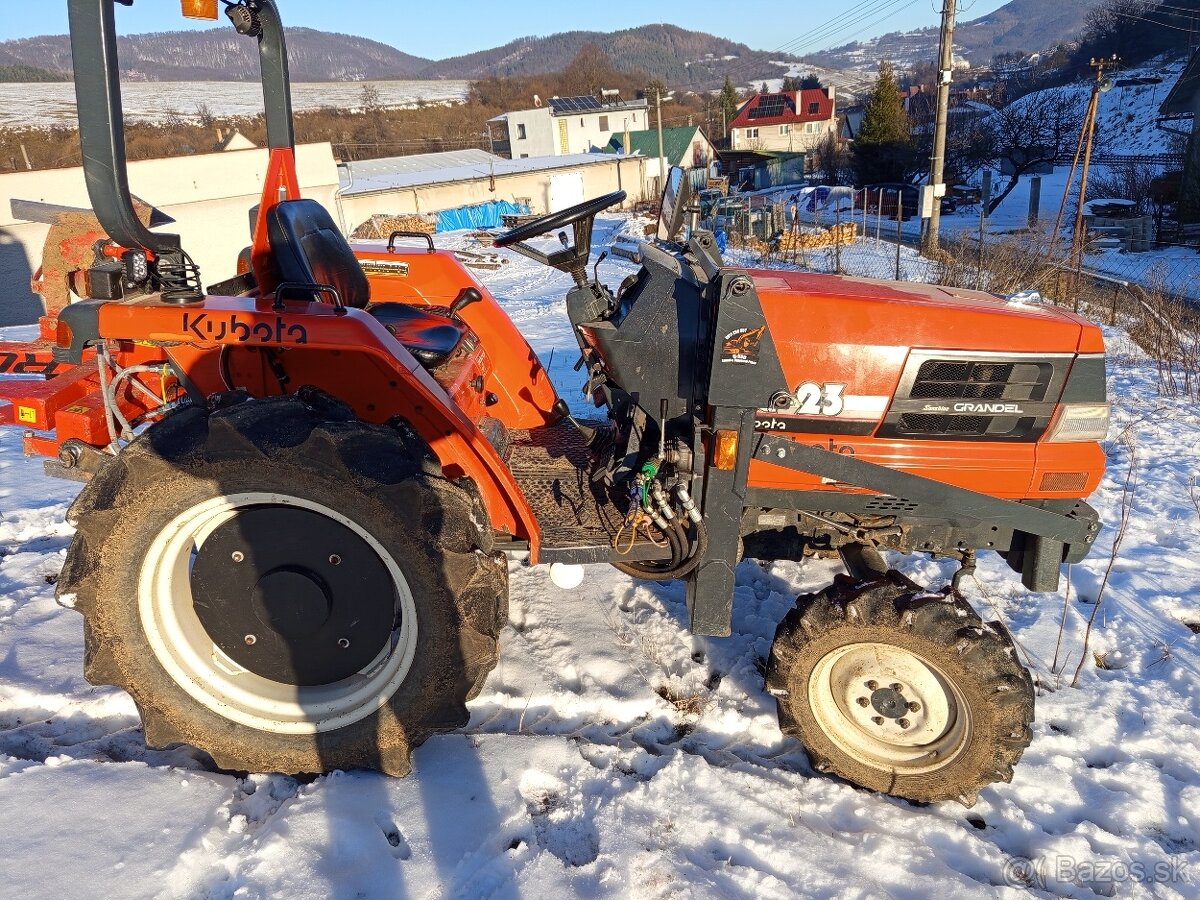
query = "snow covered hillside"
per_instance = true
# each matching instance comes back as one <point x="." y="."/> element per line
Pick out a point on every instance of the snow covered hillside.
<point x="1126" y="120"/>
<point x="611" y="754"/>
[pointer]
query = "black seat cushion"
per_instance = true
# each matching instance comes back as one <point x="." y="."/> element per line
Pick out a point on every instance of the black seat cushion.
<point x="309" y="249"/>
<point x="428" y="336"/>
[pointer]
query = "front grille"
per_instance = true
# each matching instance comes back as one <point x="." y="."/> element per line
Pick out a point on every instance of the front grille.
<point x="1007" y="398"/>
<point x="927" y="424"/>
<point x="954" y="380"/>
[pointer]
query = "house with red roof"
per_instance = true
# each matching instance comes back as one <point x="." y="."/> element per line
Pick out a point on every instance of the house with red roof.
<point x="788" y="121"/>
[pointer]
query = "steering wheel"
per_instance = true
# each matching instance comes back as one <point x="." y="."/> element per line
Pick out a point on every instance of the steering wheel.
<point x="573" y="259"/>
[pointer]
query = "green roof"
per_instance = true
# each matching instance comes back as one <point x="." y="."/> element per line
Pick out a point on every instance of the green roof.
<point x="677" y="143"/>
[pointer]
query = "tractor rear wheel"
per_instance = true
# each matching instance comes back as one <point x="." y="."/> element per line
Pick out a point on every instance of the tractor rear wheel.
<point x="286" y="587"/>
<point x="901" y="691"/>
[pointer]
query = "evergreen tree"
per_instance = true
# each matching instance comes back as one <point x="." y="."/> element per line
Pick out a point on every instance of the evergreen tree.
<point x="763" y="89"/>
<point x="791" y="84"/>
<point x="884" y="149"/>
<point x="810" y="83"/>
<point x="728" y="101"/>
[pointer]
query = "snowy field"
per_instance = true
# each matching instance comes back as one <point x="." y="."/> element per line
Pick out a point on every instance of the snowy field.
<point x="42" y="105"/>
<point x="576" y="778"/>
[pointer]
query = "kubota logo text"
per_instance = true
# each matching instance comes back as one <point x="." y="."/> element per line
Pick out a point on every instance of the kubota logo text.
<point x="205" y="327"/>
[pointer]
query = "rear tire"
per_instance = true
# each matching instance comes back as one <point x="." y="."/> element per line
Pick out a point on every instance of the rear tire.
<point x="142" y="525"/>
<point x="901" y="691"/>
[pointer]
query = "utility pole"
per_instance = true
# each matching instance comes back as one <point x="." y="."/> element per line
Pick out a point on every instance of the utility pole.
<point x="662" y="157"/>
<point x="1090" y="126"/>
<point x="937" y="172"/>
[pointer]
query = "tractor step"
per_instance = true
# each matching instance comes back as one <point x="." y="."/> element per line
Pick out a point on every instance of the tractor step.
<point x="579" y="523"/>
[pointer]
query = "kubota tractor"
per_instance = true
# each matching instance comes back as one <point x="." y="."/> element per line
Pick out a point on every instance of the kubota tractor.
<point x="302" y="482"/>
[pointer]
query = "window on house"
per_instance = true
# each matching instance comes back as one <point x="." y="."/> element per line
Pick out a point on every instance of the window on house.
<point x="524" y="156"/>
<point x="582" y="123"/>
<point x="814" y="108"/>
<point x="520" y="131"/>
<point x="752" y="133"/>
<point x="604" y="123"/>
<point x="785" y="129"/>
<point x="810" y="128"/>
<point x="634" y="118"/>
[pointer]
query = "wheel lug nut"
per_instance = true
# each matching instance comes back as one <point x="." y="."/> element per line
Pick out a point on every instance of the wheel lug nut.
<point x="914" y="706"/>
<point x="335" y="560"/>
<point x="250" y="640"/>
<point x="872" y="685"/>
<point x="344" y="643"/>
<point x="878" y="720"/>
<point x="896" y="686"/>
<point x="863" y="701"/>
<point x="238" y="555"/>
<point x="903" y="723"/>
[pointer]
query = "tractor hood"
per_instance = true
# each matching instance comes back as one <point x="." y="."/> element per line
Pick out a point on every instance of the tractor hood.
<point x="839" y="310"/>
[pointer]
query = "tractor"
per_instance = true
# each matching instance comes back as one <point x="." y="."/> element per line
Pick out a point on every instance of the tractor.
<point x="303" y="484"/>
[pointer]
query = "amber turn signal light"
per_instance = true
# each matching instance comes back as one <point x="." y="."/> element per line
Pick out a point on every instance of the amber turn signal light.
<point x="199" y="9"/>
<point x="725" y="450"/>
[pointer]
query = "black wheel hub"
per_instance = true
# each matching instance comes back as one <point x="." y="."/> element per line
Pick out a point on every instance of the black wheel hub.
<point x="293" y="595"/>
<point x="889" y="703"/>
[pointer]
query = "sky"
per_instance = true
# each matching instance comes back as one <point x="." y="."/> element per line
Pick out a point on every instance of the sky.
<point x="478" y="25"/>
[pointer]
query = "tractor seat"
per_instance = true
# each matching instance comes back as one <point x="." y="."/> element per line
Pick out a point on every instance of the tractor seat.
<point x="309" y="249"/>
<point x="430" y="337"/>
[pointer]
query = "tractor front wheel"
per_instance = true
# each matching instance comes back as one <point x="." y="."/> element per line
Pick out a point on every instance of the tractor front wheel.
<point x="901" y="691"/>
<point x="286" y="587"/>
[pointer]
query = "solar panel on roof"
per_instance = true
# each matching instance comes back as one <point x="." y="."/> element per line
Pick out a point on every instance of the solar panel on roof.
<point x="574" y="104"/>
<point x="767" y="108"/>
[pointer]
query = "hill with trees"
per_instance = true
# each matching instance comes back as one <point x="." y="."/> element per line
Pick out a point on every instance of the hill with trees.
<point x="26" y="74"/>
<point x="219" y="55"/>
<point x="679" y="56"/>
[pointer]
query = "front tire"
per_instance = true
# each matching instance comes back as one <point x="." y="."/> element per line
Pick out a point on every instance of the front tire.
<point x="901" y="691"/>
<point x="358" y="610"/>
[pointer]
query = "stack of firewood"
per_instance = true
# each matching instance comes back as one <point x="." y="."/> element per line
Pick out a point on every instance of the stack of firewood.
<point x="382" y="226"/>
<point x="846" y="233"/>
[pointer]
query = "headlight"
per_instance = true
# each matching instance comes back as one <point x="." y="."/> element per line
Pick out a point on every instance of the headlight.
<point x="1080" y="422"/>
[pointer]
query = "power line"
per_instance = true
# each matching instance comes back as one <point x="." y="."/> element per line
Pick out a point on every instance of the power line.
<point x="833" y="28"/>
<point x="1152" y="22"/>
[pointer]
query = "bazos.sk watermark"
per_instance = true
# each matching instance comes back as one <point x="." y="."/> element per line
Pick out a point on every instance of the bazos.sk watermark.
<point x="1020" y="871"/>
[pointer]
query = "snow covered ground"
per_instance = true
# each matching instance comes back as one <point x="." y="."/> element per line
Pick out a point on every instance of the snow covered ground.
<point x="613" y="755"/>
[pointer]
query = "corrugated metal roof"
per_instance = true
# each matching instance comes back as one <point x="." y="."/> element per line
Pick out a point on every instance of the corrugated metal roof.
<point x="377" y="175"/>
<point x="418" y="162"/>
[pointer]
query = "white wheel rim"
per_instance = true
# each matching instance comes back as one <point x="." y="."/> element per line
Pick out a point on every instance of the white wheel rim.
<point x="922" y="734"/>
<point x="183" y="647"/>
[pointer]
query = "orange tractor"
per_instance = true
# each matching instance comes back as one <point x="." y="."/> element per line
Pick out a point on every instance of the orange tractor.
<point x="302" y="483"/>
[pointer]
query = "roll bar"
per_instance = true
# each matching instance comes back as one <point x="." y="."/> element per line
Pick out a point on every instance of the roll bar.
<point x="101" y="120"/>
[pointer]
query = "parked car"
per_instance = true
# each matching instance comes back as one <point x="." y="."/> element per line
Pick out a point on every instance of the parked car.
<point x="882" y="197"/>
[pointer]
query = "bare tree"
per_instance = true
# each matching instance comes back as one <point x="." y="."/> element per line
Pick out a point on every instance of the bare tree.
<point x="830" y="159"/>
<point x="1034" y="131"/>
<point x="1106" y="27"/>
<point x="588" y="72"/>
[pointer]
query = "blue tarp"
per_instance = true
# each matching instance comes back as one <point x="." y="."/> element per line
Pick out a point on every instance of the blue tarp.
<point x="485" y="215"/>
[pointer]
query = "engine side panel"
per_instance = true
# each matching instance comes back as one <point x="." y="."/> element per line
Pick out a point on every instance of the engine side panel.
<point x="918" y="377"/>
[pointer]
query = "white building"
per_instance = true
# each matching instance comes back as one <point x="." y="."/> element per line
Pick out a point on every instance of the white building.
<point x="563" y="126"/>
